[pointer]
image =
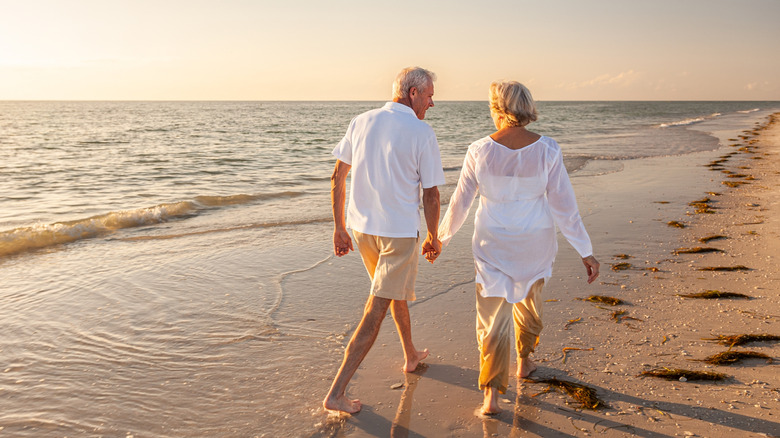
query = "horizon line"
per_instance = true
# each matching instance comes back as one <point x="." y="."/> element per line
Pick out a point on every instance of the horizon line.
<point x="375" y="100"/>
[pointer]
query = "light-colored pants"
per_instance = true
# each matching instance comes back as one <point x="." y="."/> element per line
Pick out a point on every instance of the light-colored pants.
<point x="494" y="332"/>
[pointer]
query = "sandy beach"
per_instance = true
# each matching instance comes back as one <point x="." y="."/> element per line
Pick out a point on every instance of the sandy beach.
<point x="734" y="191"/>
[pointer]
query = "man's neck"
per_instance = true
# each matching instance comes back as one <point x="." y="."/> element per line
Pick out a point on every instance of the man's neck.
<point x="403" y="101"/>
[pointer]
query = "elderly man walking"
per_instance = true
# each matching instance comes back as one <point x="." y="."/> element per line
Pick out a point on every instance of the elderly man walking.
<point x="392" y="153"/>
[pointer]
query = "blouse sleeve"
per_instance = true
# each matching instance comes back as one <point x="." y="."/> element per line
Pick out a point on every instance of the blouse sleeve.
<point x="461" y="200"/>
<point x="563" y="206"/>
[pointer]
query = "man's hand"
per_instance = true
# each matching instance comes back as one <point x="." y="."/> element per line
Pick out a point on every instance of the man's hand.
<point x="431" y="248"/>
<point x="342" y="243"/>
<point x="592" y="268"/>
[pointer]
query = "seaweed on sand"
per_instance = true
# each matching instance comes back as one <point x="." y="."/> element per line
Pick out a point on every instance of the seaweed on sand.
<point x="703" y="206"/>
<point x="676" y="224"/>
<point x="712" y="294"/>
<point x="732" y="340"/>
<point x="696" y="250"/>
<point x="714" y="237"/>
<point x="621" y="266"/>
<point x="620" y="316"/>
<point x="730" y="357"/>
<point x="603" y="299"/>
<point x="585" y="395"/>
<point x="570" y="322"/>
<point x="700" y="201"/>
<point x="622" y="256"/>
<point x="733" y="183"/>
<point x="677" y="373"/>
<point x="724" y="268"/>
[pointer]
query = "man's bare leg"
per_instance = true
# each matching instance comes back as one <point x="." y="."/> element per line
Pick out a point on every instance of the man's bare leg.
<point x="361" y="342"/>
<point x="412" y="357"/>
<point x="490" y="403"/>
<point x="525" y="366"/>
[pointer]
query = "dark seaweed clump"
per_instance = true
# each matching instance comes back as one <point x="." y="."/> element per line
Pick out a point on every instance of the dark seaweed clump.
<point x="585" y="395"/>
<point x="715" y="237"/>
<point x="677" y="373"/>
<point x="730" y="357"/>
<point x="725" y="268"/>
<point x="604" y="299"/>
<point x="621" y="266"/>
<point x="732" y="340"/>
<point x="703" y="206"/>
<point x="621" y="315"/>
<point x="696" y="250"/>
<point x="712" y="294"/>
<point x="676" y="224"/>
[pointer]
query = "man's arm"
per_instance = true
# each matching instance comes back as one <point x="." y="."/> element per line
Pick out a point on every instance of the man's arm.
<point x="342" y="243"/>
<point x="431" y="207"/>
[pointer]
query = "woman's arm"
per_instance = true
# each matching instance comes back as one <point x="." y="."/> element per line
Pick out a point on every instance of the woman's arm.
<point x="461" y="200"/>
<point x="563" y="205"/>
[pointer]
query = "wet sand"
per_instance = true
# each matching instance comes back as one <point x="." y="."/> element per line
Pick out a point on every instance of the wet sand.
<point x="627" y="215"/>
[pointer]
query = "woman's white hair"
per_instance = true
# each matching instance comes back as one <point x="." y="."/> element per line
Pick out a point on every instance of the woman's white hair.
<point x="512" y="100"/>
<point x="411" y="77"/>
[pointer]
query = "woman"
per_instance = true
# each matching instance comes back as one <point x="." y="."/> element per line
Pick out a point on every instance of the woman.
<point x="524" y="193"/>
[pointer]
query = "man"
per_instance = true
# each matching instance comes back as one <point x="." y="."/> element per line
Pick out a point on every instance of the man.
<point x="392" y="153"/>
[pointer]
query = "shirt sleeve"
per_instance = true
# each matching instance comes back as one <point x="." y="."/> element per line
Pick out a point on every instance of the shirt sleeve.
<point x="563" y="205"/>
<point x="461" y="200"/>
<point x="431" y="172"/>
<point x="343" y="150"/>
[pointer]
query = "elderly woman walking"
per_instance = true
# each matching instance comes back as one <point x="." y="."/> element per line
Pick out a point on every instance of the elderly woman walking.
<point x="525" y="193"/>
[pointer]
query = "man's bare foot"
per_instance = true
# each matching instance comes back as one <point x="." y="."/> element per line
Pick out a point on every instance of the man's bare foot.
<point x="342" y="404"/>
<point x="411" y="363"/>
<point x="490" y="403"/>
<point x="525" y="367"/>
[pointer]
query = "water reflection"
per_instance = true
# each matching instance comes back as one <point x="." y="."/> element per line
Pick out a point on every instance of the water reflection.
<point x="403" y="416"/>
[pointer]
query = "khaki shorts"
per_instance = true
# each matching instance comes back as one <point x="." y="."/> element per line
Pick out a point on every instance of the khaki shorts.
<point x="391" y="263"/>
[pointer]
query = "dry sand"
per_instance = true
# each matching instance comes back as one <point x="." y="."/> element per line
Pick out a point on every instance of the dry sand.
<point x="626" y="213"/>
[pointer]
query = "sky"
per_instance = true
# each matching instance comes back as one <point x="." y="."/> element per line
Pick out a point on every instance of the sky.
<point x="352" y="50"/>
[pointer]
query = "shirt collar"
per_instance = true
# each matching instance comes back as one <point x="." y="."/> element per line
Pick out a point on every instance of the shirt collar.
<point x="399" y="107"/>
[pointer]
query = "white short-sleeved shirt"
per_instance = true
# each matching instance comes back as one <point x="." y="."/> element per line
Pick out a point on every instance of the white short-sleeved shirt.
<point x="392" y="154"/>
<point x="524" y="194"/>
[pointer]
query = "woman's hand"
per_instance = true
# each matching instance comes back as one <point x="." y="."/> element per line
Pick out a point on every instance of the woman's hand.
<point x="431" y="248"/>
<point x="592" y="267"/>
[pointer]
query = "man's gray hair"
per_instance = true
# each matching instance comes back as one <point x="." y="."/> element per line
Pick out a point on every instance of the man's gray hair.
<point x="412" y="77"/>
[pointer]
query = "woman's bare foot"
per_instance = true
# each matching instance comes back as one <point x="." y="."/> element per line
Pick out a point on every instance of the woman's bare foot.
<point x="525" y="367"/>
<point x="412" y="362"/>
<point x="342" y="404"/>
<point x="490" y="403"/>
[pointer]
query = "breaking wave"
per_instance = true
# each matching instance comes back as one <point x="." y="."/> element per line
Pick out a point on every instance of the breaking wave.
<point x="39" y="236"/>
<point x="689" y="121"/>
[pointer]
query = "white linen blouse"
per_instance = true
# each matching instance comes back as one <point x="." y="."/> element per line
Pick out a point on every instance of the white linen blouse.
<point x="524" y="194"/>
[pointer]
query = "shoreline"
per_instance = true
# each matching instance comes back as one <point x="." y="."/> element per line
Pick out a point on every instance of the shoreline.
<point x="626" y="213"/>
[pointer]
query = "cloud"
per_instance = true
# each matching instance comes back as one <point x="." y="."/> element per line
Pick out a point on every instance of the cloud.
<point x="621" y="79"/>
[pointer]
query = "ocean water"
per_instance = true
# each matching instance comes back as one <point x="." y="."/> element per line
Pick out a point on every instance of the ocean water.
<point x="152" y="254"/>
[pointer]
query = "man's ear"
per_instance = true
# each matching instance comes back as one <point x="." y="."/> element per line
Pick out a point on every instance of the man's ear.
<point x="412" y="91"/>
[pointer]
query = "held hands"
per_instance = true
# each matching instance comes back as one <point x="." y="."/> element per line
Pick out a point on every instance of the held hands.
<point x="431" y="248"/>
<point x="342" y="243"/>
<point x="592" y="267"/>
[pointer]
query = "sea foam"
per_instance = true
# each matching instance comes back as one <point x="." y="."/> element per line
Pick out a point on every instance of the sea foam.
<point x="23" y="239"/>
